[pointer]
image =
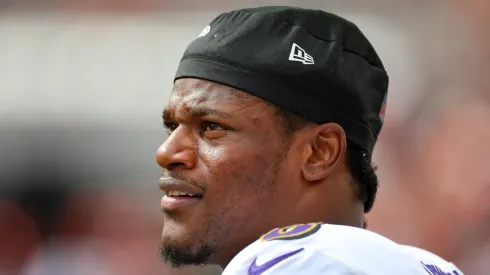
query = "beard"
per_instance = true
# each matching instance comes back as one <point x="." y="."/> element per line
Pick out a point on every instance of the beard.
<point x="178" y="256"/>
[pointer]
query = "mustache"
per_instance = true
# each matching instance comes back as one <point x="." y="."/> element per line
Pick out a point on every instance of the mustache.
<point x="185" y="179"/>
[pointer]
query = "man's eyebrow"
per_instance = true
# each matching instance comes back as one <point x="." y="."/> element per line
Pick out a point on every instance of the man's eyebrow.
<point x="167" y="115"/>
<point x="203" y="111"/>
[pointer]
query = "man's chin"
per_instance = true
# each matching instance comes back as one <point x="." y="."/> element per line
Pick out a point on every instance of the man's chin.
<point x="177" y="255"/>
<point x="182" y="245"/>
<point x="179" y="236"/>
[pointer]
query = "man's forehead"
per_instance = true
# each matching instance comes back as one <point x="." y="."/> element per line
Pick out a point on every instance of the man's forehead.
<point x="191" y="92"/>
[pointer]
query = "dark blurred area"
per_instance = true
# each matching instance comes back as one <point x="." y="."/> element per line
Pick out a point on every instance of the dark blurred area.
<point x="83" y="83"/>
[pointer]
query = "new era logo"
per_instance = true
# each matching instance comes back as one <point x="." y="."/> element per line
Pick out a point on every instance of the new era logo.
<point x="204" y="31"/>
<point x="298" y="54"/>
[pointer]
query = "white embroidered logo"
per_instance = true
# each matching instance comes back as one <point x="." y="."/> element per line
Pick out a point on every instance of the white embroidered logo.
<point x="205" y="31"/>
<point x="300" y="55"/>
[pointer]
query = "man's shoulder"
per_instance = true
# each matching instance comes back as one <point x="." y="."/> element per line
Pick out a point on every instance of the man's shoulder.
<point x="431" y="262"/>
<point x="315" y="247"/>
<point x="324" y="236"/>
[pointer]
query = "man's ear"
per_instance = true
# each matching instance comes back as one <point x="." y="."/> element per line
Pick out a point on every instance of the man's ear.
<point x="327" y="147"/>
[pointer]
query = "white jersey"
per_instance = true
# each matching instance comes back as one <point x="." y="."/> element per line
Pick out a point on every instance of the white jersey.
<point x="433" y="263"/>
<point x="327" y="249"/>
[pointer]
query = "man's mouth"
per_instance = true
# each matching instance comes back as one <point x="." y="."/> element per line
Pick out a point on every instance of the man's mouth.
<point x="182" y="194"/>
<point x="178" y="193"/>
<point x="175" y="200"/>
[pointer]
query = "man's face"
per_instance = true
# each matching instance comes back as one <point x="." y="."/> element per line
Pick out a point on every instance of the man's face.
<point x="226" y="149"/>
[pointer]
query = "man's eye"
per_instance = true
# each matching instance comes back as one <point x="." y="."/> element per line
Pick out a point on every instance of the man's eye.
<point x="210" y="126"/>
<point x="170" y="126"/>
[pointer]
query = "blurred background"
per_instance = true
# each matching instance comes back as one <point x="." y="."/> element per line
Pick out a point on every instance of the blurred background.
<point x="83" y="84"/>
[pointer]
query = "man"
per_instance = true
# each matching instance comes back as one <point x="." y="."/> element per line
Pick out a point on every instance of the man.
<point x="272" y="122"/>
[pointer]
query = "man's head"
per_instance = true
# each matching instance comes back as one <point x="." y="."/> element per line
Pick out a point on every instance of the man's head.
<point x="289" y="143"/>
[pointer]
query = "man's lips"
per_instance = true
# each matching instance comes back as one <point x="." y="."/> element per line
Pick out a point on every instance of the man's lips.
<point x="178" y="193"/>
<point x="169" y="203"/>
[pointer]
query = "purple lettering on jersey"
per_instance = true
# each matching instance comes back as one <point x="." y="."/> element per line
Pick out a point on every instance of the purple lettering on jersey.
<point x="297" y="231"/>
<point x="255" y="269"/>
<point x="435" y="270"/>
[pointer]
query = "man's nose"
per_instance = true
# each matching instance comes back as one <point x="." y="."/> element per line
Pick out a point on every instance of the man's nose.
<point x="178" y="151"/>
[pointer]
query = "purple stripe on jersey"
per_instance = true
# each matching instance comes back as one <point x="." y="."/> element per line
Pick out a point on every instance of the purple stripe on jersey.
<point x="254" y="269"/>
<point x="435" y="270"/>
